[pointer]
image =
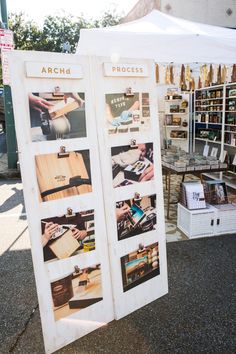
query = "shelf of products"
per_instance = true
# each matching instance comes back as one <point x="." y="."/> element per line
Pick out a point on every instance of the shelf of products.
<point x="215" y="120"/>
<point x="176" y="121"/>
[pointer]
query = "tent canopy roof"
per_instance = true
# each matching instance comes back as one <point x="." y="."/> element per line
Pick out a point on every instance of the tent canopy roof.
<point x="163" y="38"/>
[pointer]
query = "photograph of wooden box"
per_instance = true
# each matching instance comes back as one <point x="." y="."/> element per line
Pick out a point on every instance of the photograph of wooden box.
<point x="63" y="175"/>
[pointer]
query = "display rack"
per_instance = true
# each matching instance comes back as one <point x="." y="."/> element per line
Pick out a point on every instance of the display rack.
<point x="211" y="221"/>
<point x="176" y="122"/>
<point x="215" y="125"/>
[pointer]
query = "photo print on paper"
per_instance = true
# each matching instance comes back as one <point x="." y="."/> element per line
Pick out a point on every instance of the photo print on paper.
<point x="140" y="266"/>
<point x="76" y="290"/>
<point x="127" y="113"/>
<point x="57" y="115"/>
<point x="136" y="216"/>
<point x="132" y="164"/>
<point x="63" y="174"/>
<point x="68" y="235"/>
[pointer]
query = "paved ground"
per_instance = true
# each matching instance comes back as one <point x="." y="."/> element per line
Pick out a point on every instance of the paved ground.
<point x="197" y="316"/>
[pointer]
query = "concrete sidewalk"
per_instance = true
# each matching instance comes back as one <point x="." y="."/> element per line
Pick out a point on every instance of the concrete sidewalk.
<point x="197" y="316"/>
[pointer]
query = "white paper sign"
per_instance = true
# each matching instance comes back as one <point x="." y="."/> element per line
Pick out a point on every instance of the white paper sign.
<point x="206" y="150"/>
<point x="214" y="152"/>
<point x="138" y="70"/>
<point x="234" y="160"/>
<point x="53" y="70"/>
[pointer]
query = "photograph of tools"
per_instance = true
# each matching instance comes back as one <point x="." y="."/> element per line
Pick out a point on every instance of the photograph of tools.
<point x="136" y="216"/>
<point x="68" y="235"/>
<point x="63" y="174"/>
<point x="132" y="164"/>
<point x="76" y="290"/>
<point x="127" y="112"/>
<point x="57" y="115"/>
<point x="140" y="266"/>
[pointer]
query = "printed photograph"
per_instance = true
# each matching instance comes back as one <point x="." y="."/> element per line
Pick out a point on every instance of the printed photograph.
<point x="77" y="290"/>
<point x="68" y="235"/>
<point x="140" y="266"/>
<point x="136" y="216"/>
<point x="57" y="115"/>
<point x="216" y="192"/>
<point x="127" y="112"/>
<point x="132" y="164"/>
<point x="63" y="174"/>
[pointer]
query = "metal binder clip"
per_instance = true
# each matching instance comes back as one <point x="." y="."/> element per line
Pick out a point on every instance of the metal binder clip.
<point x="129" y="92"/>
<point x="57" y="92"/>
<point x="63" y="152"/>
<point x="133" y="144"/>
<point x="69" y="213"/>
<point x="141" y="247"/>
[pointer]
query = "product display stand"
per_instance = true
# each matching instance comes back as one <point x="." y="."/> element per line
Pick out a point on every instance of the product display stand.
<point x="215" y="126"/>
<point x="76" y="116"/>
<point x="136" y="280"/>
<point x="211" y="221"/>
<point x="176" y="123"/>
<point x="68" y="170"/>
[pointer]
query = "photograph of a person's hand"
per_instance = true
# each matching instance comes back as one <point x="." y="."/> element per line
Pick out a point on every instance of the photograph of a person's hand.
<point x="123" y="212"/>
<point x="49" y="231"/>
<point x="78" y="234"/>
<point x="148" y="174"/>
<point x="39" y="103"/>
<point x="75" y="96"/>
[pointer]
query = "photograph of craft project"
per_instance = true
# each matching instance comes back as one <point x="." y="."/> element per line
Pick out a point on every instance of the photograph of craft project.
<point x="57" y="115"/>
<point x="127" y="112"/>
<point x="132" y="164"/>
<point x="136" y="216"/>
<point x="140" y="266"/>
<point x="63" y="174"/>
<point x="68" y="235"/>
<point x="76" y="290"/>
<point x="216" y="192"/>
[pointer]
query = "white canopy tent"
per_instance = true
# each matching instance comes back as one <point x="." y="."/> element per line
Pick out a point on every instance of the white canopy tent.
<point x="163" y="38"/>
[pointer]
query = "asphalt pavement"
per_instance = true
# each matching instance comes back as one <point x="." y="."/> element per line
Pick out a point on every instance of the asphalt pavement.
<point x="197" y="316"/>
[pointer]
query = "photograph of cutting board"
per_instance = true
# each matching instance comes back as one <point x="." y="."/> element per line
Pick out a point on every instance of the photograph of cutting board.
<point x="63" y="176"/>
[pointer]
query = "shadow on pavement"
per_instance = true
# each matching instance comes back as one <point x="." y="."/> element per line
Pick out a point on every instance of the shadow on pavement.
<point x="197" y="316"/>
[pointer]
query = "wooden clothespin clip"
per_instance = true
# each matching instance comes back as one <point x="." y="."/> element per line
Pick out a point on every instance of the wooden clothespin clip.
<point x="63" y="152"/>
<point x="129" y="92"/>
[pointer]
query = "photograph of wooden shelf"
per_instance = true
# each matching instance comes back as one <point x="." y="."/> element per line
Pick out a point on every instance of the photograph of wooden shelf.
<point x="210" y="111"/>
<point x="231" y="125"/>
<point x="173" y="113"/>
<point x="173" y="126"/>
<point x="208" y="99"/>
<point x="229" y="145"/>
<point x="178" y="138"/>
<point x="208" y="123"/>
<point x="231" y="97"/>
<point x="209" y="141"/>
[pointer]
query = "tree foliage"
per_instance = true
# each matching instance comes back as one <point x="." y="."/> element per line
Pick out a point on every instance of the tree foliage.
<point x="55" y="31"/>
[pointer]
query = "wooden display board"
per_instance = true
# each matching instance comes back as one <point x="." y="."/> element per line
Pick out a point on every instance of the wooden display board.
<point x="98" y="239"/>
<point x="129" y="143"/>
<point x="70" y="306"/>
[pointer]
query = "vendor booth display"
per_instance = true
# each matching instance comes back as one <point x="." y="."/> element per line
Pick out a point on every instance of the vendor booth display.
<point x="93" y="188"/>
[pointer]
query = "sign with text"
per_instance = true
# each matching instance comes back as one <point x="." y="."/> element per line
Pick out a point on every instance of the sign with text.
<point x="53" y="70"/>
<point x="6" y="38"/>
<point x="135" y="70"/>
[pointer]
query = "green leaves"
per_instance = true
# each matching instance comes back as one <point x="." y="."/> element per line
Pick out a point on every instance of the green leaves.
<point x="55" y="31"/>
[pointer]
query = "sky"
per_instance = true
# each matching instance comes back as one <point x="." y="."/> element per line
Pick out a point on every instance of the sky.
<point x="37" y="10"/>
